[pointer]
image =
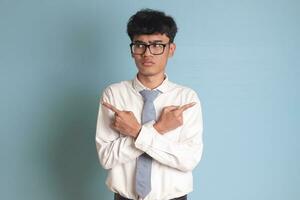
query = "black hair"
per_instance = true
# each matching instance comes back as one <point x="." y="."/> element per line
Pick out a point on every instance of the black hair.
<point x="148" y="21"/>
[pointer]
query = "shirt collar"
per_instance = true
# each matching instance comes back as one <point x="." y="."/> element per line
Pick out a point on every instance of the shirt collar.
<point x="165" y="86"/>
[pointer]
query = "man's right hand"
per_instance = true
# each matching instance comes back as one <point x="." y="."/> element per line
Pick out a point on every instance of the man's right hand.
<point x="171" y="118"/>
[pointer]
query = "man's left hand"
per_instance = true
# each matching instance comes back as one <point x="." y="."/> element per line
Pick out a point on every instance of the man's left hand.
<point x="124" y="122"/>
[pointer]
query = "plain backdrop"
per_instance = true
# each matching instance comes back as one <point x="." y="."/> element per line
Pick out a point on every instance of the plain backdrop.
<point x="241" y="57"/>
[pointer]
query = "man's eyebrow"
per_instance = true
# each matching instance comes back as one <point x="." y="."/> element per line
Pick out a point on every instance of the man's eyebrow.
<point x="150" y="42"/>
<point x="139" y="41"/>
<point x="156" y="41"/>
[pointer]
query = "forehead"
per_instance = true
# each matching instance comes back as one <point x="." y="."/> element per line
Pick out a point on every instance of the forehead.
<point x="151" y="38"/>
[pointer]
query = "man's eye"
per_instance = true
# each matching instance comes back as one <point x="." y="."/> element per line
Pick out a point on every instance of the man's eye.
<point x="139" y="46"/>
<point x="156" y="45"/>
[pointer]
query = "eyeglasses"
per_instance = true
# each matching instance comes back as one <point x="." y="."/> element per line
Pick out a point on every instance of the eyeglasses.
<point x="154" y="48"/>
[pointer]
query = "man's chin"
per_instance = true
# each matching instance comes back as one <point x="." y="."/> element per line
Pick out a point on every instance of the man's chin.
<point x="149" y="73"/>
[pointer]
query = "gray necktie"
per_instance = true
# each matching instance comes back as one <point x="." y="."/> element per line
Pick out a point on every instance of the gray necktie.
<point x="144" y="161"/>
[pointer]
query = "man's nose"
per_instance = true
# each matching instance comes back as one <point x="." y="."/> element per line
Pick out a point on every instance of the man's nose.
<point x="147" y="52"/>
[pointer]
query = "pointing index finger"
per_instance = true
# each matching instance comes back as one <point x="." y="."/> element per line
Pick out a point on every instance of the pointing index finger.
<point x="111" y="107"/>
<point x="187" y="106"/>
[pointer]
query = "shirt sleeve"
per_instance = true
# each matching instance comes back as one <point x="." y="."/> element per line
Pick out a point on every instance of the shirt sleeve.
<point x="112" y="147"/>
<point x="183" y="154"/>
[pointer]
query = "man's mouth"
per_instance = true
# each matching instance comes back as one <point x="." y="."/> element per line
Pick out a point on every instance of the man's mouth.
<point x="148" y="63"/>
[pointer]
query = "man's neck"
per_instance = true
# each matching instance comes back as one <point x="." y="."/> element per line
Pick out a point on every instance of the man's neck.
<point x="151" y="82"/>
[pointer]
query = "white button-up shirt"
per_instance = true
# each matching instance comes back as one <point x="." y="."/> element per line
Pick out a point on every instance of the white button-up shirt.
<point x="175" y="153"/>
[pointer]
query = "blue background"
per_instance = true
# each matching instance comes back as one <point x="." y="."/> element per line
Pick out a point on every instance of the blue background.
<point x="242" y="57"/>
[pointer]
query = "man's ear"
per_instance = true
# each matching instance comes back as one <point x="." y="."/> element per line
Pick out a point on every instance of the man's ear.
<point x="172" y="49"/>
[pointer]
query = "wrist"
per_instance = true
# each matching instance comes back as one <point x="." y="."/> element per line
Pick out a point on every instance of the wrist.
<point x="158" y="128"/>
<point x="138" y="130"/>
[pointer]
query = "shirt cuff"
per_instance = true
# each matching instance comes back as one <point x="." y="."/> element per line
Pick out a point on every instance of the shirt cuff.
<point x="146" y="136"/>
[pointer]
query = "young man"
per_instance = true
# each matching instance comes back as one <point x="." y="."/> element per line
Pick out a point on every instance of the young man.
<point x="149" y="130"/>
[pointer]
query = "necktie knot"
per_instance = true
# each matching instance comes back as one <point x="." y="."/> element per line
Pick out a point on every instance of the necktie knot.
<point x="149" y="95"/>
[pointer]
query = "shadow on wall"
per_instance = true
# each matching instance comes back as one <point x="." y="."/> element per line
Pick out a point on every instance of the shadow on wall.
<point x="73" y="169"/>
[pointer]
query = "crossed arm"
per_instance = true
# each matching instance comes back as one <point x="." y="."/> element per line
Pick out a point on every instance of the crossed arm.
<point x="126" y="123"/>
<point x="121" y="139"/>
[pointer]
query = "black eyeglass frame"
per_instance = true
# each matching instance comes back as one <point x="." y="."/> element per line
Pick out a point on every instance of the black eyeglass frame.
<point x="148" y="47"/>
